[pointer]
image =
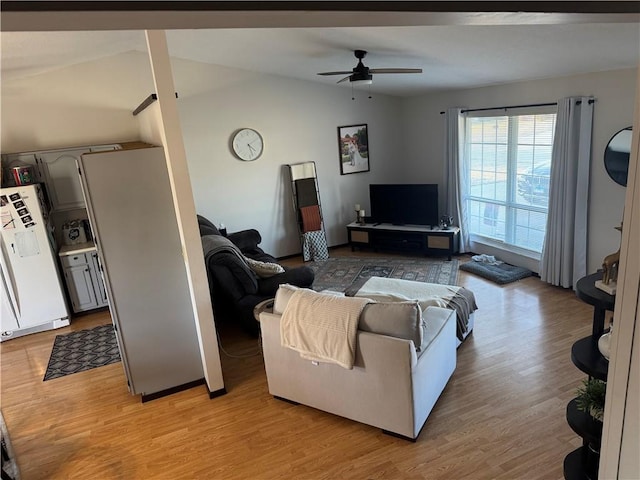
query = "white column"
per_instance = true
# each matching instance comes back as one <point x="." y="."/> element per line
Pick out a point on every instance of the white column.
<point x="621" y="431"/>
<point x="171" y="134"/>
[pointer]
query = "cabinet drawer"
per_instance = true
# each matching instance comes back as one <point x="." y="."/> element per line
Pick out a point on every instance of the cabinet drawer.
<point x="404" y="241"/>
<point x="358" y="236"/>
<point x="73" y="260"/>
<point x="437" y="241"/>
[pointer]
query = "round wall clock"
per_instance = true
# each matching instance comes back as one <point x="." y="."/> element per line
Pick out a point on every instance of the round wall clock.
<point x="247" y="144"/>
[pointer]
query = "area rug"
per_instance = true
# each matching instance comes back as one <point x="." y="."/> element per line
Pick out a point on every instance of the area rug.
<point x="82" y="350"/>
<point x="500" y="274"/>
<point x="339" y="272"/>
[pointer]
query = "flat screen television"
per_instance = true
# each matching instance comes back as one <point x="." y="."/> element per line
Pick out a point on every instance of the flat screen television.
<point x="404" y="204"/>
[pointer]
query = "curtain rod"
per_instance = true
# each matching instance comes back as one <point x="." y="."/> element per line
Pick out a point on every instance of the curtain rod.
<point x="510" y="106"/>
<point x="591" y="100"/>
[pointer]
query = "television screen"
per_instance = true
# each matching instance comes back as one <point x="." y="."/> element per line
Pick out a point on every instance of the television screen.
<point x="406" y="204"/>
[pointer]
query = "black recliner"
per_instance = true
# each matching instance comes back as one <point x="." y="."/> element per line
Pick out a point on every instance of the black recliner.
<point x="235" y="289"/>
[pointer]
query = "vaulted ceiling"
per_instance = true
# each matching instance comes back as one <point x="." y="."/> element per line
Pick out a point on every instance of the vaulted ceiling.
<point x="451" y="56"/>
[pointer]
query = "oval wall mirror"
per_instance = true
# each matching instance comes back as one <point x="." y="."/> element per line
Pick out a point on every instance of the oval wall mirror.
<point x="616" y="156"/>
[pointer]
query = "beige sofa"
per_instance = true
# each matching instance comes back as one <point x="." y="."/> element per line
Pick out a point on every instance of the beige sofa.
<point x="394" y="385"/>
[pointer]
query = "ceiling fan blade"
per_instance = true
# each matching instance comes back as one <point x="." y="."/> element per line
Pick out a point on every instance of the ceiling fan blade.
<point x="344" y="79"/>
<point x="336" y="73"/>
<point x="395" y="70"/>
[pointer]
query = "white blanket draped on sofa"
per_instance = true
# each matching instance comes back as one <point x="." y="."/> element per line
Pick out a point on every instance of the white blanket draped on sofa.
<point x="381" y="289"/>
<point x="322" y="327"/>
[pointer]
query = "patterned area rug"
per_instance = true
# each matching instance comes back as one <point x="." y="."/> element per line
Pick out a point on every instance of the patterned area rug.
<point x="339" y="272"/>
<point x="83" y="350"/>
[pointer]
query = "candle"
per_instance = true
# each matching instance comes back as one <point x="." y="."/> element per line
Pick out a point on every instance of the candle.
<point x="362" y="213"/>
<point x="357" y="207"/>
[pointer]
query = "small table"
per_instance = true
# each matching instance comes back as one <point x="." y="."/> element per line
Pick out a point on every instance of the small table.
<point x="586" y="291"/>
<point x="261" y="307"/>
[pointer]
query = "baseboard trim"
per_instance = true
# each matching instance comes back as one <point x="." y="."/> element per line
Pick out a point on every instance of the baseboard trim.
<point x="217" y="393"/>
<point x="295" y="255"/>
<point x="292" y="402"/>
<point x="172" y="390"/>
<point x="403" y="437"/>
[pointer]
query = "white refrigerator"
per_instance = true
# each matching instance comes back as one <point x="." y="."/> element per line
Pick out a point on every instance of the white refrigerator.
<point x="32" y="295"/>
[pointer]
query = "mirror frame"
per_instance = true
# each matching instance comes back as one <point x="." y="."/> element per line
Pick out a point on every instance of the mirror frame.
<point x="615" y="162"/>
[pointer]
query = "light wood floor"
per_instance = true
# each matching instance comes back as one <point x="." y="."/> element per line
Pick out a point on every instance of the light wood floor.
<point x="501" y="416"/>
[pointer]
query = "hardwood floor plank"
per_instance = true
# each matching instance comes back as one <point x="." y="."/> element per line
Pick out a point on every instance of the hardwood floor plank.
<point x="502" y="415"/>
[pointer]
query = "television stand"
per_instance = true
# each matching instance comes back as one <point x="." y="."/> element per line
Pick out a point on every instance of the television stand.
<point x="418" y="239"/>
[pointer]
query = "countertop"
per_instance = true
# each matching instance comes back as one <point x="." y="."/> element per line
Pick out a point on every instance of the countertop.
<point x="67" y="250"/>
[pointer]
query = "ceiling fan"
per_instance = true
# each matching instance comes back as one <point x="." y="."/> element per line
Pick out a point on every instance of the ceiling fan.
<point x="364" y="75"/>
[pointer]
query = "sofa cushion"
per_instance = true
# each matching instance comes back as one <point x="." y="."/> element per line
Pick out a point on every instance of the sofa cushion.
<point x="395" y="319"/>
<point x="437" y="317"/>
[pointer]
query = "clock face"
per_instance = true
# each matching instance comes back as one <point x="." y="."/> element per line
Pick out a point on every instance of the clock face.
<point x="247" y="144"/>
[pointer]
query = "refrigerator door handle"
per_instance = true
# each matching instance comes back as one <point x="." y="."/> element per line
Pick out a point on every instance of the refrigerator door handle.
<point x="7" y="280"/>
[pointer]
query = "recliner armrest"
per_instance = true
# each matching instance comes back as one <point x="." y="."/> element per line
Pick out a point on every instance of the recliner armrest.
<point x="245" y="277"/>
<point x="300" y="276"/>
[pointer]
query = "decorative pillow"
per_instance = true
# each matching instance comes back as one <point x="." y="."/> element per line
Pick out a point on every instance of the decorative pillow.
<point x="395" y="319"/>
<point x="284" y="293"/>
<point x="264" y="269"/>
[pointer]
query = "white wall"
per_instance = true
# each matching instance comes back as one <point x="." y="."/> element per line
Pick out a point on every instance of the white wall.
<point x="88" y="103"/>
<point x="298" y="121"/>
<point x="614" y="92"/>
<point x="92" y="103"/>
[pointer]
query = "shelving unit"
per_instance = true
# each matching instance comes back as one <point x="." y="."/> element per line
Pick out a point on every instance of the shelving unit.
<point x="583" y="462"/>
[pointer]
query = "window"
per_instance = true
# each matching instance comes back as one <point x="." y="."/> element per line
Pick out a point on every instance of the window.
<point x="507" y="166"/>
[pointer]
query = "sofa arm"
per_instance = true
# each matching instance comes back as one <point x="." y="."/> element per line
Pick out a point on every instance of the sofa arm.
<point x="232" y="275"/>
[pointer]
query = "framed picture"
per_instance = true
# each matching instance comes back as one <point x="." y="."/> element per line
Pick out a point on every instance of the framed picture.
<point x="353" y="144"/>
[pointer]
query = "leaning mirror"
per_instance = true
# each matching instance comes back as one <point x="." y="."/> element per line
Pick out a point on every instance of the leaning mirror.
<point x="616" y="156"/>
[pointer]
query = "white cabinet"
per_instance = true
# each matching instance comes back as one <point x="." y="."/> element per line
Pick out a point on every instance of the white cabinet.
<point x="84" y="281"/>
<point x="58" y="170"/>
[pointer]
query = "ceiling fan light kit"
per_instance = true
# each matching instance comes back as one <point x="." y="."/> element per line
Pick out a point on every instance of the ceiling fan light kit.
<point x="363" y="75"/>
<point x="362" y="81"/>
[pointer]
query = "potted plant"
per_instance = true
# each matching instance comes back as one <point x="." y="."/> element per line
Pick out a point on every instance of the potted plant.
<point x="590" y="398"/>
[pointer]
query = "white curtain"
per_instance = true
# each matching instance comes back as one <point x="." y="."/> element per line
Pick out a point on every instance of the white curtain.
<point x="454" y="174"/>
<point x="564" y="255"/>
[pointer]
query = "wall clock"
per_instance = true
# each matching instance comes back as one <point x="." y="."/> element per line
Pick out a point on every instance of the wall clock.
<point x="247" y="144"/>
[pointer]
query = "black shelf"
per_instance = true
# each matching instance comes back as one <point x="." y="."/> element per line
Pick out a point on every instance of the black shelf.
<point x="587" y="292"/>
<point x="583" y="424"/>
<point x="573" y="469"/>
<point x="586" y="356"/>
<point x="583" y="462"/>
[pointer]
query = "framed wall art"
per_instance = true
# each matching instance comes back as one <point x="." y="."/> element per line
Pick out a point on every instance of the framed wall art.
<point x="353" y="145"/>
